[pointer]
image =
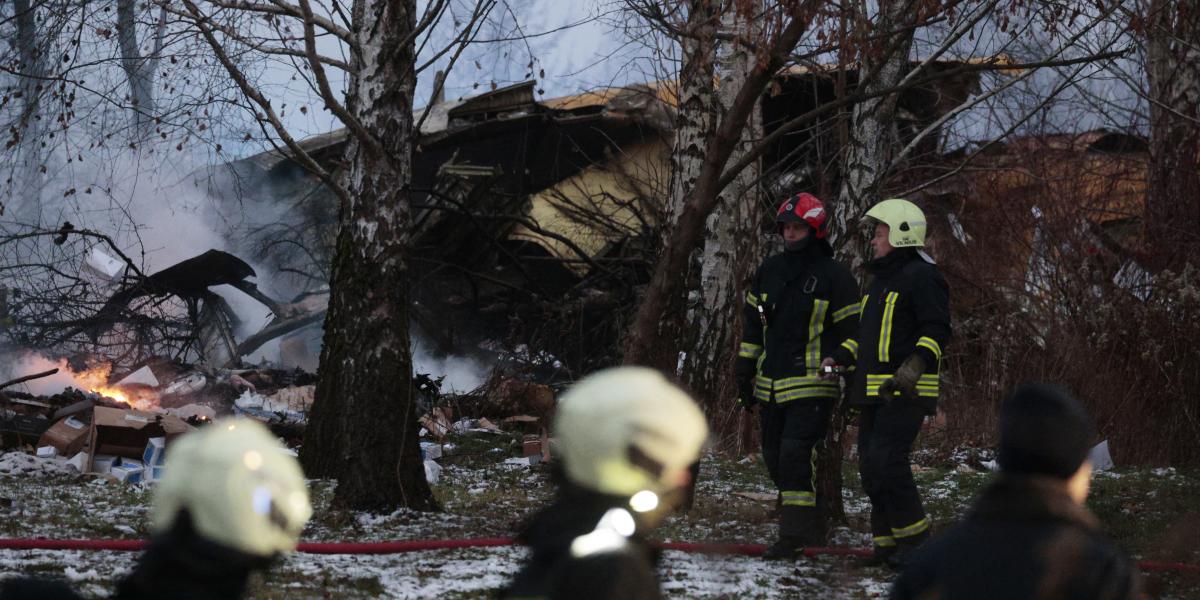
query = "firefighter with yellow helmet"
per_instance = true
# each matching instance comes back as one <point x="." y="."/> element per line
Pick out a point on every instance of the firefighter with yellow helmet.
<point x="231" y="501"/>
<point x="903" y="328"/>
<point x="627" y="438"/>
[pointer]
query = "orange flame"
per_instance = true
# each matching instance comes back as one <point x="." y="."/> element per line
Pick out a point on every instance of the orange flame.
<point x="95" y="380"/>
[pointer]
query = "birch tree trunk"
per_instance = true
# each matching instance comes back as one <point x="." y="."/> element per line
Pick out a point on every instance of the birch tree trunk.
<point x="699" y="112"/>
<point x="651" y="337"/>
<point x="867" y="158"/>
<point x="731" y="243"/>
<point x="1172" y="218"/>
<point x="139" y="70"/>
<point x="27" y="189"/>
<point x="363" y="427"/>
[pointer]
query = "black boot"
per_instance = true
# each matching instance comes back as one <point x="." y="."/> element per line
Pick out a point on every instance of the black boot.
<point x="785" y="548"/>
<point x="878" y="559"/>
<point x="905" y="548"/>
<point x="800" y="527"/>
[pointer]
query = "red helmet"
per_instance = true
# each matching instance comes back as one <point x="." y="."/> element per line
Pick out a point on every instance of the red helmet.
<point x="804" y="208"/>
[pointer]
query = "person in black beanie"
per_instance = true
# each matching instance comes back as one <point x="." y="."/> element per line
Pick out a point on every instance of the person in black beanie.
<point x="1029" y="534"/>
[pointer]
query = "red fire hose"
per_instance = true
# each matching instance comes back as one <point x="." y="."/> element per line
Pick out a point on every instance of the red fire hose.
<point x="418" y="545"/>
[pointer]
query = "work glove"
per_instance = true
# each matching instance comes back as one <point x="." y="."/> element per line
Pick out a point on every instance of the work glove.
<point x="904" y="382"/>
<point x="745" y="393"/>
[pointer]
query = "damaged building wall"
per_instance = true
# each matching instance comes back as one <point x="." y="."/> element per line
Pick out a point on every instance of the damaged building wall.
<point x="534" y="216"/>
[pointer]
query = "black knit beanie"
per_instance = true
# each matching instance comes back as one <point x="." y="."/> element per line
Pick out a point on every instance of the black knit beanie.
<point x="1043" y="431"/>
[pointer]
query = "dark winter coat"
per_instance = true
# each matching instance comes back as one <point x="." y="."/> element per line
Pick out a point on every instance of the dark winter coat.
<point x="180" y="564"/>
<point x="1024" y="538"/>
<point x="799" y="308"/>
<point x="553" y="572"/>
<point x="906" y="311"/>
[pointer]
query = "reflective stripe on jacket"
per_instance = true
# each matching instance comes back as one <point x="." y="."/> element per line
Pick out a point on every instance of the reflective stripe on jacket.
<point x="799" y="308"/>
<point x="906" y="311"/>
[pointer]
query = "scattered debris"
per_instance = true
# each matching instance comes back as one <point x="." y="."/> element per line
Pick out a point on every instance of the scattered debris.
<point x="1100" y="457"/>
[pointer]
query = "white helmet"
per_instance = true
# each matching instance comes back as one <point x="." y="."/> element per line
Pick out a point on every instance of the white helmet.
<point x="240" y="486"/>
<point x="628" y="430"/>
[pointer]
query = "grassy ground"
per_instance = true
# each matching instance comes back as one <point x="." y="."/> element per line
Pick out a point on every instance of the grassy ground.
<point x="486" y="490"/>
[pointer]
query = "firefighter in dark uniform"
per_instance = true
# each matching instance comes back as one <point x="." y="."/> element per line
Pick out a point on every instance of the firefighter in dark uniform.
<point x="627" y="438"/>
<point x="801" y="305"/>
<point x="902" y="331"/>
<point x="1029" y="534"/>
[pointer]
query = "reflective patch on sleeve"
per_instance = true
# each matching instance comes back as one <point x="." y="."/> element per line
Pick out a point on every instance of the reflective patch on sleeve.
<point x="931" y="345"/>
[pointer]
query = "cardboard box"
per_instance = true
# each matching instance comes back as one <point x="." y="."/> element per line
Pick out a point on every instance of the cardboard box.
<point x="79" y="461"/>
<point x="123" y="432"/>
<point x="128" y="474"/>
<point x="155" y="451"/>
<point x="103" y="463"/>
<point x="68" y="436"/>
<point x="153" y="474"/>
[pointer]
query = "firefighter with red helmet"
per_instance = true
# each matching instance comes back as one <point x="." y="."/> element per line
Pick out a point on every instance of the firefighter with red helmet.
<point x="801" y="305"/>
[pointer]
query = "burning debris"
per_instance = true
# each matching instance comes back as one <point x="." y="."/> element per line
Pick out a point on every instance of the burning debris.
<point x="121" y="424"/>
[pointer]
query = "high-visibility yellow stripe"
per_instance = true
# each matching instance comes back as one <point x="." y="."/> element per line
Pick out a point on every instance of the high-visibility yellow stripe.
<point x="852" y="346"/>
<point x="799" y="499"/>
<point x="884" y="541"/>
<point x="932" y="345"/>
<point x="751" y="299"/>
<point x="847" y="311"/>
<point x="914" y="529"/>
<point x="809" y="392"/>
<point x="885" y="328"/>
<point x="762" y="388"/>
<point x="816" y="324"/>
<point x="791" y="382"/>
<point x="748" y="350"/>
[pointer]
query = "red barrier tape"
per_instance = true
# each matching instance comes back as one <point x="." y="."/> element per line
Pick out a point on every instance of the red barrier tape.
<point x="419" y="545"/>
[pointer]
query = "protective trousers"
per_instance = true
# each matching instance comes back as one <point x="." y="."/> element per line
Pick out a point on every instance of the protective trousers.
<point x="790" y="434"/>
<point x="886" y="433"/>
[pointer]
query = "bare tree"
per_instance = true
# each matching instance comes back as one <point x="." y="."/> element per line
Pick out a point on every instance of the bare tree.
<point x="1172" y="30"/>
<point x="31" y="66"/>
<point x="139" y="69"/>
<point x="653" y="338"/>
<point x="731" y="245"/>
<point x="363" y="426"/>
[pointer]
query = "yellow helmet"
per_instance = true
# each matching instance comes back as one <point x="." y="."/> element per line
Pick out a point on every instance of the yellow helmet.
<point x="240" y="486"/>
<point x="628" y="430"/>
<point x="905" y="221"/>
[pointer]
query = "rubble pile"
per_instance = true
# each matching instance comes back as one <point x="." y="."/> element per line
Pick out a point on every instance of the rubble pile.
<point x="511" y="405"/>
<point x="122" y="427"/>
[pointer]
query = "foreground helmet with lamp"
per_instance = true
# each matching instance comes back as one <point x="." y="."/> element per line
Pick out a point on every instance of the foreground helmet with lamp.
<point x="626" y="437"/>
<point x="628" y="429"/>
<point x="238" y="485"/>
<point x="905" y="220"/>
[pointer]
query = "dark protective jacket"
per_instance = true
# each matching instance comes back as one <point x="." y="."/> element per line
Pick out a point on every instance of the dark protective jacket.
<point x="906" y="310"/>
<point x="1024" y="538"/>
<point x="178" y="564"/>
<point x="800" y="307"/>
<point x="181" y="564"/>
<point x="605" y="571"/>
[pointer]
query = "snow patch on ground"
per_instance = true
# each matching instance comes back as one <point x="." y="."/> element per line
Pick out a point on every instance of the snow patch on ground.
<point x="19" y="464"/>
